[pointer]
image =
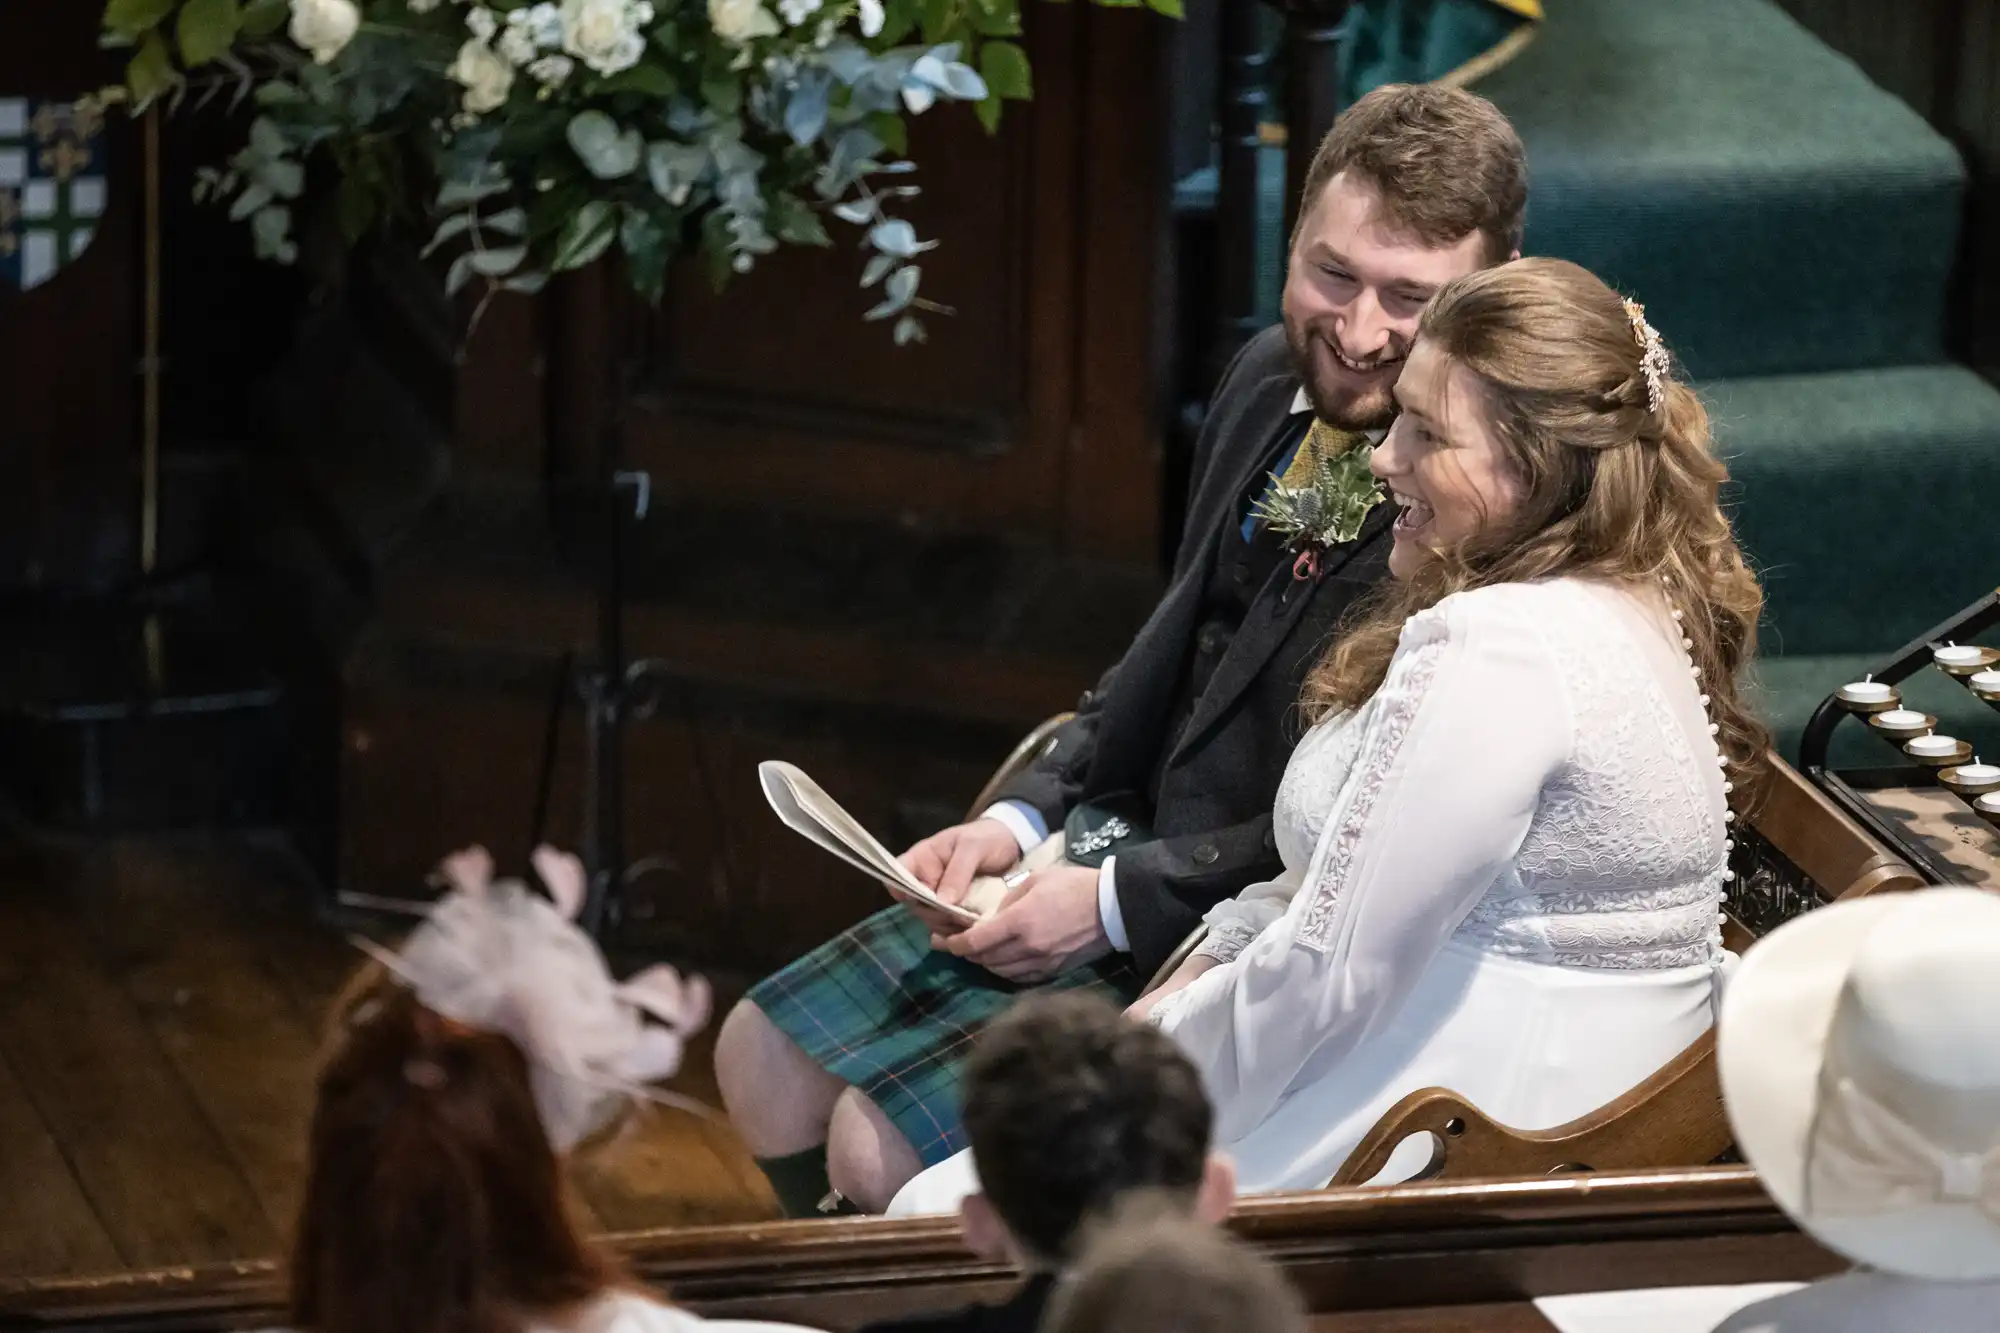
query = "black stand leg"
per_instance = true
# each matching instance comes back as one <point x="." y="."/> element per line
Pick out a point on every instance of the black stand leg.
<point x="611" y="689"/>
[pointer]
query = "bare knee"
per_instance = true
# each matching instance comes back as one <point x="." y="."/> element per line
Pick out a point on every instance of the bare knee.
<point x="867" y="1157"/>
<point x="780" y="1101"/>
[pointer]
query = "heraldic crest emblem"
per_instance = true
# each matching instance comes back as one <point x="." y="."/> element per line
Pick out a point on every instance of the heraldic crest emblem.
<point x="52" y="186"/>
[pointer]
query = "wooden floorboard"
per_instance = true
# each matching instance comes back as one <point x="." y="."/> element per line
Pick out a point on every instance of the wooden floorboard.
<point x="163" y="1185"/>
<point x="50" y="1226"/>
<point x="163" y="920"/>
<point x="161" y="1003"/>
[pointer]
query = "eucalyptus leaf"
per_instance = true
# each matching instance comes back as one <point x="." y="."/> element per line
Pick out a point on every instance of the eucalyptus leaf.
<point x="263" y="18"/>
<point x="151" y="71"/>
<point x="497" y="262"/>
<point x="606" y="151"/>
<point x="588" y="234"/>
<point x="805" y="113"/>
<point x="508" y="222"/>
<point x="897" y="237"/>
<point x="527" y="283"/>
<point x="270" y="228"/>
<point x="902" y="285"/>
<point x="876" y="267"/>
<point x="458" y="192"/>
<point x="963" y="83"/>
<point x="130" y="18"/>
<point x="266" y="139"/>
<point x="456" y="224"/>
<point x="283" y="177"/>
<point x="278" y="93"/>
<point x="897" y="293"/>
<point x="857" y="211"/>
<point x="207" y="28"/>
<point x="675" y="169"/>
<point x="847" y="61"/>
<point x="460" y="273"/>
<point x="909" y="329"/>
<point x="253" y="198"/>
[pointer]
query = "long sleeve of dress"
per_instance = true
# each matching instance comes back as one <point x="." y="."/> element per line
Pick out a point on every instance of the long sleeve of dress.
<point x="1469" y="726"/>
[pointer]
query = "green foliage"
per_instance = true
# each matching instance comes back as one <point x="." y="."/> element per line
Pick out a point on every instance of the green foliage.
<point x="519" y="146"/>
<point x="207" y="29"/>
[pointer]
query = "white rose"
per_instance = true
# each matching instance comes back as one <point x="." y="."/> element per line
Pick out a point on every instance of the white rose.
<point x="798" y="11"/>
<point x="871" y="18"/>
<point x="740" y="20"/>
<point x="603" y="34"/>
<point x="517" y="44"/>
<point x="546" y="22"/>
<point x="481" y="23"/>
<point x="324" y="27"/>
<point x="552" y="70"/>
<point x="487" y="78"/>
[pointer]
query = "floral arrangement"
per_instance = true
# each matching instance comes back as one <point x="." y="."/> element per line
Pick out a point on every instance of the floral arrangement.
<point x="528" y="137"/>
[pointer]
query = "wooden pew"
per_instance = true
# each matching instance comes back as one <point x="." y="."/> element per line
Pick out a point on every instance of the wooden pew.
<point x="1437" y="1258"/>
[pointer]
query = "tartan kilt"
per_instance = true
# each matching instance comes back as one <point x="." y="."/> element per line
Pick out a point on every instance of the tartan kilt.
<point x="882" y="1011"/>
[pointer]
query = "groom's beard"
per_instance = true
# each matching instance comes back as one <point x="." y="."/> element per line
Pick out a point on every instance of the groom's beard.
<point x="1341" y="397"/>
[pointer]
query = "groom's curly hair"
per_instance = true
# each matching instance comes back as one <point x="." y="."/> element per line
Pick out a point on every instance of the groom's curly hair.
<point x="1071" y="1107"/>
<point x="1445" y="162"/>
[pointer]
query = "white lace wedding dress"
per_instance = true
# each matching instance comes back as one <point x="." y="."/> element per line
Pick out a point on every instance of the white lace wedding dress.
<point x="1503" y="876"/>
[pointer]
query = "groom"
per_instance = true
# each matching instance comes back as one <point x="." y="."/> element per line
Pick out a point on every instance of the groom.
<point x="843" y="1067"/>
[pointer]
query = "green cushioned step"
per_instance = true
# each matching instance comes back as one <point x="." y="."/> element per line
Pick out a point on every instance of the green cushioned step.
<point x="1869" y="500"/>
<point x="1775" y="210"/>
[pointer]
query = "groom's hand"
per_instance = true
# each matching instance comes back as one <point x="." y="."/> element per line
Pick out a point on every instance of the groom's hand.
<point x="1046" y="926"/>
<point x="946" y="863"/>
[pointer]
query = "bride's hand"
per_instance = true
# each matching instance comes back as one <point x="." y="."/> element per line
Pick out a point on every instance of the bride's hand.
<point x="1183" y="976"/>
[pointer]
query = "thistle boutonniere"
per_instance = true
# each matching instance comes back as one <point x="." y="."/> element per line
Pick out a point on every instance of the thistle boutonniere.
<point x="1322" y="498"/>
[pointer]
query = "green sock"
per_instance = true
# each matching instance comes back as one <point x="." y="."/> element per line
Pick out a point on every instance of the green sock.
<point x="799" y="1180"/>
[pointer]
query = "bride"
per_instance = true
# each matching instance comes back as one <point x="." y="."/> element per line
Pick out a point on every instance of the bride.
<point x="1505" y="835"/>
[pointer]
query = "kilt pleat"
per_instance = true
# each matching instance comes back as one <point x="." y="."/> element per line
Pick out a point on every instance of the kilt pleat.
<point x="882" y="1011"/>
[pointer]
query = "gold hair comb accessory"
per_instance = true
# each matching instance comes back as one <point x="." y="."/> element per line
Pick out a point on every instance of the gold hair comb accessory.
<point x="1652" y="355"/>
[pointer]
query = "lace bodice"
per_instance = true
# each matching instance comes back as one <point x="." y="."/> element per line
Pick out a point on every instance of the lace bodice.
<point x="1536" y="777"/>
<point x="1622" y="861"/>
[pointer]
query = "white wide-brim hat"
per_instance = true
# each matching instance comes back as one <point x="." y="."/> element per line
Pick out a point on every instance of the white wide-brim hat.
<point x="1860" y="1062"/>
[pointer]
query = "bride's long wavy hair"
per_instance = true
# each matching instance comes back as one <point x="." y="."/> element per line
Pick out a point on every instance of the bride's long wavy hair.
<point x="1611" y="489"/>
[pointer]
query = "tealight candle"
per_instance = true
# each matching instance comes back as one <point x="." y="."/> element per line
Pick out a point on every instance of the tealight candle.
<point x="1868" y="693"/>
<point x="1902" y="719"/>
<point x="1988" y="807"/>
<point x="1932" y="746"/>
<point x="1986" y="684"/>
<point x="1959" y="655"/>
<point x="1973" y="779"/>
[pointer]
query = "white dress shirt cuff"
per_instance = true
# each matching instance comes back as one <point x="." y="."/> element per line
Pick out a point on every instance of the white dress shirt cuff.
<point x="1022" y="820"/>
<point x="1108" y="910"/>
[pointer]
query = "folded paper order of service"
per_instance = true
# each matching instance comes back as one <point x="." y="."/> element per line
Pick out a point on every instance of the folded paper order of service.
<point x="808" y="811"/>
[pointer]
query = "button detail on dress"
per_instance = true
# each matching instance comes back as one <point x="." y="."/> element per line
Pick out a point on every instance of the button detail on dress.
<point x="1205" y="855"/>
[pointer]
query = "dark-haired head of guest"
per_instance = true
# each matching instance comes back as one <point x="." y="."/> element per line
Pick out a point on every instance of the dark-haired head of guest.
<point x="1070" y="1108"/>
<point x="1152" y="1268"/>
<point x="434" y="1202"/>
